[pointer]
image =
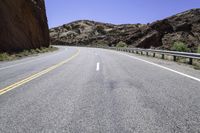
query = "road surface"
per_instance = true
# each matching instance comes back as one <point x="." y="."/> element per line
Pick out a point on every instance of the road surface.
<point x="88" y="90"/>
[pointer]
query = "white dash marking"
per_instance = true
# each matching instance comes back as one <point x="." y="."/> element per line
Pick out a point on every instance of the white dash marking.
<point x="98" y="66"/>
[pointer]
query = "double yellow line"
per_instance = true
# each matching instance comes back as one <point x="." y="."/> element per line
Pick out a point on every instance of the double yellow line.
<point x="34" y="76"/>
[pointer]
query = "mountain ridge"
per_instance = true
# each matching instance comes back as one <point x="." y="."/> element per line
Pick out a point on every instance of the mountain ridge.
<point x="161" y="34"/>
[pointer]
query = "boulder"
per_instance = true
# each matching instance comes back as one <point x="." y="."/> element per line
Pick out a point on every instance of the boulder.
<point x="162" y="26"/>
<point x="152" y="39"/>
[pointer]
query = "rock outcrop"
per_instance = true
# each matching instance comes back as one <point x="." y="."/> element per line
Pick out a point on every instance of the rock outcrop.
<point x="23" y="25"/>
<point x="161" y="34"/>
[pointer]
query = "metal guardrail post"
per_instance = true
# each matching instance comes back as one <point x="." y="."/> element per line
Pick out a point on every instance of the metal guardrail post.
<point x="174" y="58"/>
<point x="190" y="61"/>
<point x="163" y="56"/>
<point x="163" y="53"/>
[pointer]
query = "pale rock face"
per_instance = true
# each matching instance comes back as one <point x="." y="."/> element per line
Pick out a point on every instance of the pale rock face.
<point x="23" y="25"/>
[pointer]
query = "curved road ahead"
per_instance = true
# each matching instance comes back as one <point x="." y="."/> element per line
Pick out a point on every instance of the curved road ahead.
<point x="88" y="90"/>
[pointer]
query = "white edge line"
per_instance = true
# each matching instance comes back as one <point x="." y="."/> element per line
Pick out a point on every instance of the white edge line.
<point x="98" y="64"/>
<point x="163" y="67"/>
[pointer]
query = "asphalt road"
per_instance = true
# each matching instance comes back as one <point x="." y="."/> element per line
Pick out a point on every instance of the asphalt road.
<point x="87" y="90"/>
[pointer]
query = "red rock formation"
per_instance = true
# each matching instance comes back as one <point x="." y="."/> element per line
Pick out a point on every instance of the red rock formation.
<point x="23" y="25"/>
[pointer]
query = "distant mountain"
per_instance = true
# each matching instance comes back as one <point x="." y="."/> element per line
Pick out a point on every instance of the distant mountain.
<point x="184" y="27"/>
<point x="23" y="25"/>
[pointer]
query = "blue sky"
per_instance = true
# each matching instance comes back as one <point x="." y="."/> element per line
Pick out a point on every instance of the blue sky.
<point x="114" y="11"/>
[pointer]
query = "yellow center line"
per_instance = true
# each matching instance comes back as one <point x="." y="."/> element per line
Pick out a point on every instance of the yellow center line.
<point x="36" y="75"/>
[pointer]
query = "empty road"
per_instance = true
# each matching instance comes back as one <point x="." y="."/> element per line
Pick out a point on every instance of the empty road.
<point x="88" y="90"/>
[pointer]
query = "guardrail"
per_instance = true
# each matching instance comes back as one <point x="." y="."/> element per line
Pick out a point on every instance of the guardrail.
<point x="174" y="54"/>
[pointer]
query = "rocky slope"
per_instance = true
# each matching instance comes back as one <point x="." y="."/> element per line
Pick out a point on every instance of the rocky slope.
<point x="23" y="25"/>
<point x="184" y="27"/>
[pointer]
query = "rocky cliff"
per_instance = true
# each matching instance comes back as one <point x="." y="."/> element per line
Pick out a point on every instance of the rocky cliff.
<point x="161" y="34"/>
<point x="23" y="25"/>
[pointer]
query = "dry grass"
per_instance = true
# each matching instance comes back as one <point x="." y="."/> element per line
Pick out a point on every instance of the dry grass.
<point x="13" y="56"/>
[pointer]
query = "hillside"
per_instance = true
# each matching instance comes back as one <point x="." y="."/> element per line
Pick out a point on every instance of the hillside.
<point x="23" y="25"/>
<point x="184" y="27"/>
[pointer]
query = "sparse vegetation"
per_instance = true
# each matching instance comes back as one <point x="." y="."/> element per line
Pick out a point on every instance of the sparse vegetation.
<point x="180" y="46"/>
<point x="101" y="43"/>
<point x="198" y="50"/>
<point x="12" y="56"/>
<point x="4" y="56"/>
<point x="121" y="44"/>
<point x="100" y="29"/>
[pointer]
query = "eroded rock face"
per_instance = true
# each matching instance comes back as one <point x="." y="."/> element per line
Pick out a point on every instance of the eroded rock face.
<point x="23" y="25"/>
<point x="187" y="38"/>
<point x="161" y="34"/>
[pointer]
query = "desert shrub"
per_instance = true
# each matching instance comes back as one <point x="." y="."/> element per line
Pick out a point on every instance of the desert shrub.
<point x="4" y="56"/>
<point x="121" y="44"/>
<point x="25" y="53"/>
<point x="100" y="29"/>
<point x="198" y="50"/>
<point x="12" y="56"/>
<point x="38" y="50"/>
<point x="32" y="51"/>
<point x="101" y="43"/>
<point x="180" y="46"/>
